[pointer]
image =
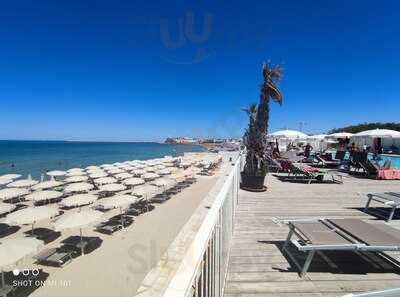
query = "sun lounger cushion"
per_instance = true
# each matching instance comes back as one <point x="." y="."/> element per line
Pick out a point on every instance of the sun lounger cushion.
<point x="320" y="234"/>
<point x="388" y="174"/>
<point x="370" y="234"/>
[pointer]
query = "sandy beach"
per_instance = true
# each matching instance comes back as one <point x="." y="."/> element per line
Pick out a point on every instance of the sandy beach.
<point x="118" y="266"/>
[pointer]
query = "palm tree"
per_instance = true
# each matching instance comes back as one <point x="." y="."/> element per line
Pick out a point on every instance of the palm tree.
<point x="256" y="133"/>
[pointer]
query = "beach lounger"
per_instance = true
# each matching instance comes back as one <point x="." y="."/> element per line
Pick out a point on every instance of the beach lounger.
<point x="327" y="163"/>
<point x="390" y="199"/>
<point x="54" y="257"/>
<point x="160" y="198"/>
<point x="373" y="170"/>
<point x="113" y="225"/>
<point x="310" y="174"/>
<point x="352" y="235"/>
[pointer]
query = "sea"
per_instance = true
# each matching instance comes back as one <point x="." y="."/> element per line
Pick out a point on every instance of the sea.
<point x="37" y="157"/>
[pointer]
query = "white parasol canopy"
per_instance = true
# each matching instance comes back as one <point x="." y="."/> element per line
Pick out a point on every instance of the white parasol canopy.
<point x="144" y="190"/>
<point x="117" y="201"/>
<point x="43" y="195"/>
<point x="105" y="180"/>
<point x="150" y="176"/>
<point x="163" y="172"/>
<point x="133" y="181"/>
<point x="378" y="133"/>
<point x="340" y="135"/>
<point x="16" y="249"/>
<point x="47" y="185"/>
<point x="30" y="215"/>
<point x="56" y="173"/>
<point x="76" y="179"/>
<point x="161" y="182"/>
<point x="98" y="174"/>
<point x="112" y="188"/>
<point x="123" y="175"/>
<point x="92" y="167"/>
<point x="78" y="200"/>
<point x="78" y="187"/>
<point x="23" y="183"/>
<point x="76" y="173"/>
<point x="115" y="170"/>
<point x="74" y="170"/>
<point x="10" y="176"/>
<point x="12" y="193"/>
<point x="81" y="219"/>
<point x="290" y="134"/>
<point x="6" y="207"/>
<point x="138" y="172"/>
<point x="4" y="181"/>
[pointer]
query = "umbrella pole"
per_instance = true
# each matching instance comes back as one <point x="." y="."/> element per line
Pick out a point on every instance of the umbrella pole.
<point x="82" y="249"/>
<point x="3" y="283"/>
<point x="122" y="218"/>
<point x="33" y="225"/>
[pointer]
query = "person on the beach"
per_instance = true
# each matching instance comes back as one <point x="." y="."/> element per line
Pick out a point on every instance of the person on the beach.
<point x="307" y="150"/>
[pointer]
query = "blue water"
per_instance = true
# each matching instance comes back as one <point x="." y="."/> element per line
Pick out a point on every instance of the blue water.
<point x="395" y="159"/>
<point x="37" y="157"/>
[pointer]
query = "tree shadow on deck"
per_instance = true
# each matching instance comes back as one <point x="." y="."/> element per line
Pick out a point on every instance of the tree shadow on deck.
<point x="338" y="262"/>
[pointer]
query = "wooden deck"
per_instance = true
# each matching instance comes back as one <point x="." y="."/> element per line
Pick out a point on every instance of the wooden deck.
<point x="257" y="265"/>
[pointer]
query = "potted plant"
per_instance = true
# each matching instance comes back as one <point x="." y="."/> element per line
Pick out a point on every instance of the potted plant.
<point x="255" y="136"/>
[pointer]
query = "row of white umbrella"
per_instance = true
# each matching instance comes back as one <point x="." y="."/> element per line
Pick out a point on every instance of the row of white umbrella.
<point x="374" y="133"/>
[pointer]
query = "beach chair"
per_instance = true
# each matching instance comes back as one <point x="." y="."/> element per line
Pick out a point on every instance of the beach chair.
<point x="113" y="225"/>
<point x="373" y="170"/>
<point x="339" y="156"/>
<point x="160" y="198"/>
<point x="351" y="235"/>
<point x="55" y="256"/>
<point x="274" y="165"/>
<point x="311" y="174"/>
<point x="356" y="160"/>
<point x="327" y="163"/>
<point x="390" y="199"/>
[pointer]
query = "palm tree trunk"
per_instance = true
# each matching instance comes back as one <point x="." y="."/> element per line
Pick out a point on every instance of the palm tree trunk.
<point x="263" y="111"/>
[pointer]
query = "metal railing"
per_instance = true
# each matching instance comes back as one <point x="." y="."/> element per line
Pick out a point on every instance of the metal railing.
<point x="203" y="270"/>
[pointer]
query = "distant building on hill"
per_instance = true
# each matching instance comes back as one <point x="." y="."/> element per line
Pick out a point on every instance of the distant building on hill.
<point x="180" y="140"/>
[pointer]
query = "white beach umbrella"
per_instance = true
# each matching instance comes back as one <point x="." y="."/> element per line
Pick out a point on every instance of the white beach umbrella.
<point x="123" y="175"/>
<point x="74" y="170"/>
<point x="150" y="169"/>
<point x="150" y="176"/>
<point x="106" y="166"/>
<point x="133" y="181"/>
<point x="169" y="164"/>
<point x="340" y="135"/>
<point x="47" y="185"/>
<point x="10" y="176"/>
<point x="138" y="172"/>
<point x="43" y="195"/>
<point x="115" y="170"/>
<point x="105" y="180"/>
<point x="78" y="187"/>
<point x="140" y="166"/>
<point x="6" y="207"/>
<point x="92" y="167"/>
<point x="76" y="179"/>
<point x="112" y="188"/>
<point x="14" y="250"/>
<point x="76" y="173"/>
<point x="163" y="172"/>
<point x="117" y="201"/>
<point x="12" y="193"/>
<point x="4" y="181"/>
<point x="316" y="137"/>
<point x="23" y="183"/>
<point x="78" y="200"/>
<point x="30" y="215"/>
<point x="98" y="174"/>
<point x="78" y="220"/>
<point x="161" y="182"/>
<point x="290" y="134"/>
<point x="56" y="173"/>
<point x="144" y="191"/>
<point x="378" y="133"/>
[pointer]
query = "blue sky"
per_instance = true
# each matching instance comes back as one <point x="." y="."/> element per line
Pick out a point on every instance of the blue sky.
<point x="114" y="70"/>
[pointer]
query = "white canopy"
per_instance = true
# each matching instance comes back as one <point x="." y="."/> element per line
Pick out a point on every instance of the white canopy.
<point x="12" y="193"/>
<point x="161" y="182"/>
<point x="378" y="133"/>
<point x="78" y="200"/>
<point x="47" y="185"/>
<point x="98" y="174"/>
<point x="291" y="134"/>
<point x="78" y="187"/>
<point x="43" y="195"/>
<point x="10" y="176"/>
<point x="76" y="179"/>
<point x="115" y="170"/>
<point x="163" y="172"/>
<point x="74" y="170"/>
<point x="117" y="201"/>
<point x="123" y="175"/>
<point x="144" y="190"/>
<point x="56" y="173"/>
<point x="16" y="249"/>
<point x="23" y="183"/>
<point x="76" y="173"/>
<point x="80" y="219"/>
<point x="30" y="215"/>
<point x="92" y="167"/>
<point x="150" y="176"/>
<point x="4" y="181"/>
<point x="133" y="181"/>
<point x="340" y="135"/>
<point x="6" y="207"/>
<point x="112" y="188"/>
<point x="105" y="180"/>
